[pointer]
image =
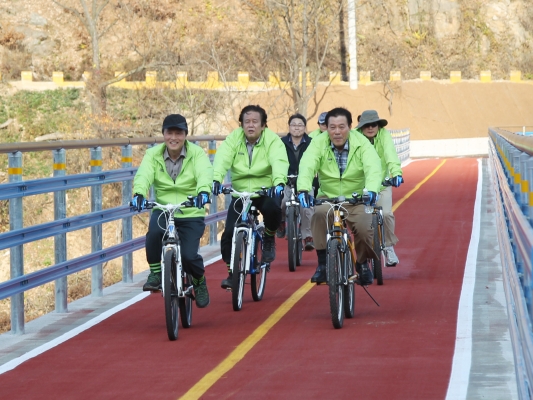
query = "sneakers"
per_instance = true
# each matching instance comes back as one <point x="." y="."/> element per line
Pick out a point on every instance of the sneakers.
<point x="309" y="245"/>
<point x="153" y="283"/>
<point x="200" y="292"/>
<point x="320" y="275"/>
<point x="226" y="283"/>
<point x="281" y="230"/>
<point x="390" y="255"/>
<point x="269" y="248"/>
<point x="365" y="274"/>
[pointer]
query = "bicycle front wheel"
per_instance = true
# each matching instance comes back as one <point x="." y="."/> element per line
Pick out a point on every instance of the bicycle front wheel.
<point x="259" y="271"/>
<point x="186" y="303"/>
<point x="292" y="238"/>
<point x="349" y="286"/>
<point x="376" y="261"/>
<point x="170" y="293"/>
<point x="239" y="271"/>
<point x="335" y="283"/>
<point x="299" y="242"/>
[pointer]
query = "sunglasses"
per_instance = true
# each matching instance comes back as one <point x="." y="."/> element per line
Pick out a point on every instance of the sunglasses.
<point x="371" y="125"/>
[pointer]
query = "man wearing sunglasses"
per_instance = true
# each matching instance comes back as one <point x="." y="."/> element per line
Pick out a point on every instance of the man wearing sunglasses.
<point x="373" y="128"/>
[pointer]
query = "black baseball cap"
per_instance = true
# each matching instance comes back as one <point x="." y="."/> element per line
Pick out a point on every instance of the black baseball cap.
<point x="175" y="121"/>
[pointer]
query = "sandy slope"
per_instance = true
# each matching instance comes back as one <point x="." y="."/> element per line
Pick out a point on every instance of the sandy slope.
<point x="431" y="109"/>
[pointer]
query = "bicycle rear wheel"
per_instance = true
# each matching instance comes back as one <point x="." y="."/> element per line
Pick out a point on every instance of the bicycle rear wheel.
<point x="292" y="238"/>
<point x="349" y="287"/>
<point x="336" y="287"/>
<point x="239" y="271"/>
<point x="376" y="261"/>
<point x="186" y="303"/>
<point x="299" y="242"/>
<point x="170" y="293"/>
<point x="258" y="272"/>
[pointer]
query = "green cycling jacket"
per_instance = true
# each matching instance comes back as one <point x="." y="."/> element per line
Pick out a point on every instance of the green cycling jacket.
<point x="363" y="168"/>
<point x="196" y="176"/>
<point x="269" y="164"/>
<point x="390" y="163"/>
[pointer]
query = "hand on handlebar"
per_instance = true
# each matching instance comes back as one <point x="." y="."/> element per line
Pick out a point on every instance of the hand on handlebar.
<point x="138" y="203"/>
<point x="396" y="181"/>
<point x="201" y="200"/>
<point x="216" y="188"/>
<point x="305" y="199"/>
<point x="370" y="198"/>
<point x="276" y="192"/>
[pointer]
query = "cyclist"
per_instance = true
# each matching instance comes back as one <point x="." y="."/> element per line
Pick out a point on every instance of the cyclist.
<point x="256" y="158"/>
<point x="176" y="169"/>
<point x="322" y="127"/>
<point x="296" y="142"/>
<point x="345" y="163"/>
<point x="373" y="128"/>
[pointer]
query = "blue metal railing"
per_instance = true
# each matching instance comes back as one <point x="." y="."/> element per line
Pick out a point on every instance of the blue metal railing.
<point x="512" y="178"/>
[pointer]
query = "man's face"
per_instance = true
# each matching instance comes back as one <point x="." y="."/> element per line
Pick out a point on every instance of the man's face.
<point x="174" y="139"/>
<point x="370" y="130"/>
<point x="252" y="126"/>
<point x="297" y="128"/>
<point x="323" y="127"/>
<point x="338" y="130"/>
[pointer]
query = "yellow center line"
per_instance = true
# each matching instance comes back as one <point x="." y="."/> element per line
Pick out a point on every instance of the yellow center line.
<point x="399" y="202"/>
<point x="242" y="349"/>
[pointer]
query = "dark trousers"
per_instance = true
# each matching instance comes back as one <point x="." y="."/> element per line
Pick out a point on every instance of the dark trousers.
<point x="268" y="207"/>
<point x="190" y="231"/>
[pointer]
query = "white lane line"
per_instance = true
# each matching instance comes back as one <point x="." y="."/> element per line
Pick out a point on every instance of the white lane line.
<point x="8" y="366"/>
<point x="462" y="357"/>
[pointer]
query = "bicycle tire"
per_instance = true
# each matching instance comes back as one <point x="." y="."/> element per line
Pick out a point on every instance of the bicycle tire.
<point x="336" y="290"/>
<point x="299" y="243"/>
<point x="259" y="271"/>
<point x="239" y="272"/>
<point x="292" y="238"/>
<point x="170" y="293"/>
<point x="376" y="261"/>
<point x="186" y="303"/>
<point x="349" y="287"/>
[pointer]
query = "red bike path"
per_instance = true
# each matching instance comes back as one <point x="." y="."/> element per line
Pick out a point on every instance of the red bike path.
<point x="402" y="349"/>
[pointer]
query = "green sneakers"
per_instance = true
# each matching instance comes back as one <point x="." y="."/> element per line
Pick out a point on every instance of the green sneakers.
<point x="200" y="292"/>
<point x="153" y="283"/>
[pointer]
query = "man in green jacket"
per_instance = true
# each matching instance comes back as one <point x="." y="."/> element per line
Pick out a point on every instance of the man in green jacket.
<point x="373" y="128"/>
<point x="322" y="127"/>
<point x="346" y="163"/>
<point x="256" y="158"/>
<point x="176" y="169"/>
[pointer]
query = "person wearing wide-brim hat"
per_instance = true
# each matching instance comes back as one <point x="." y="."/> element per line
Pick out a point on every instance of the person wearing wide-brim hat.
<point x="373" y="128"/>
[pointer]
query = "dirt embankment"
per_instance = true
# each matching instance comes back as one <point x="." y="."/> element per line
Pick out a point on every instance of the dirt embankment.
<point x="431" y="109"/>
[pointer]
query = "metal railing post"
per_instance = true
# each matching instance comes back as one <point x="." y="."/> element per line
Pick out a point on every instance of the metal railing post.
<point x="16" y="253"/>
<point x="524" y="187"/>
<point x="96" y="231"/>
<point x="60" y="241"/>
<point x="127" y="234"/>
<point x="213" y="208"/>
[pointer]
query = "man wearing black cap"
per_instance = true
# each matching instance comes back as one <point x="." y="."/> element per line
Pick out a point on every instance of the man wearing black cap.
<point x="373" y="128"/>
<point x="322" y="127"/>
<point x="176" y="169"/>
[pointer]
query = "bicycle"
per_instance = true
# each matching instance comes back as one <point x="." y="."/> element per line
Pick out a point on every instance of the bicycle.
<point x="340" y="265"/>
<point x="293" y="220"/>
<point x="176" y="288"/>
<point x="247" y="250"/>
<point x="378" y="240"/>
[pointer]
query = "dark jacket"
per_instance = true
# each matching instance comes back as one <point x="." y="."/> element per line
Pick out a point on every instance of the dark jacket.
<point x="293" y="161"/>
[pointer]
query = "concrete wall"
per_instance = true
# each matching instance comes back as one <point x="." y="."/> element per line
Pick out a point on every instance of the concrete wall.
<point x="449" y="147"/>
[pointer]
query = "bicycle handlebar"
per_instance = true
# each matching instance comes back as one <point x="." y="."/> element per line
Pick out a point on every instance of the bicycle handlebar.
<point x="261" y="192"/>
<point x="387" y="182"/>
<point x="356" y="199"/>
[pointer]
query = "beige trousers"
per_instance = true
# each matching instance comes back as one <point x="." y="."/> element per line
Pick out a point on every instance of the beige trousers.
<point x="357" y="220"/>
<point x="389" y="223"/>
<point x="305" y="215"/>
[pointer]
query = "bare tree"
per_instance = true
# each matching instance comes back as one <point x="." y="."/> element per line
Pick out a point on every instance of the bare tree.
<point x="296" y="38"/>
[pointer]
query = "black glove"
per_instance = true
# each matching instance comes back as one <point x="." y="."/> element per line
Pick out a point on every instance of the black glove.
<point x="276" y="192"/>
<point x="138" y="203"/>
<point x="372" y="198"/>
<point x="396" y="181"/>
<point x="202" y="199"/>
<point x="305" y="199"/>
<point x="216" y="188"/>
